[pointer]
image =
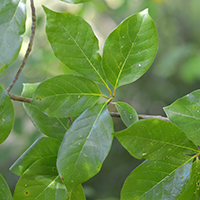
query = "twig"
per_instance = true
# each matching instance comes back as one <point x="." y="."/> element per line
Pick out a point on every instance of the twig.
<point x="19" y="98"/>
<point x="33" y="27"/>
<point x="116" y="114"/>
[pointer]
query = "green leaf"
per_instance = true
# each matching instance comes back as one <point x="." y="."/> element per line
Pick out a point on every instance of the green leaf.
<point x="66" y="95"/>
<point x="76" y="1"/>
<point x="5" y="193"/>
<point x="127" y="113"/>
<point x="85" y="146"/>
<point x="50" y="126"/>
<point x="185" y="113"/>
<point x="12" y="27"/>
<point x="6" y="115"/>
<point x="154" y="139"/>
<point x="41" y="181"/>
<point x="153" y="180"/>
<point x="43" y="148"/>
<point x="3" y="3"/>
<point x="75" y="44"/>
<point x="76" y="194"/>
<point x="130" y="49"/>
<point x="192" y="189"/>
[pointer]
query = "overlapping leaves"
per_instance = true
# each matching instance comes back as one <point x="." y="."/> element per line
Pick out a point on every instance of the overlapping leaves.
<point x="164" y="145"/>
<point x="12" y="27"/>
<point x="51" y="126"/>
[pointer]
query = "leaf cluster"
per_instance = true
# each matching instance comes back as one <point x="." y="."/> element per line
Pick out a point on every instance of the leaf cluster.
<point x="72" y="113"/>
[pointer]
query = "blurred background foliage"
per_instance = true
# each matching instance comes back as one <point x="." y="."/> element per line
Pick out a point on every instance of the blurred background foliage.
<point x="174" y="73"/>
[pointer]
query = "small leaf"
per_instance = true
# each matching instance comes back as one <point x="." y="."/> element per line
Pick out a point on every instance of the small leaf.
<point x="153" y="139"/>
<point x="75" y="44"/>
<point x="127" y="113"/>
<point x="185" y="113"/>
<point x="76" y="1"/>
<point x="85" y="146"/>
<point x="4" y="190"/>
<point x="41" y="181"/>
<point x="76" y="194"/>
<point x="12" y="27"/>
<point x="50" y="126"/>
<point x="42" y="148"/>
<point x="6" y="115"/>
<point x="192" y="189"/>
<point x="66" y="95"/>
<point x="130" y="49"/>
<point x="153" y="180"/>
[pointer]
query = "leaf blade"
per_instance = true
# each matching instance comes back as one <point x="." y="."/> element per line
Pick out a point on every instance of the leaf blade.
<point x="42" y="148"/>
<point x="4" y="189"/>
<point x="154" y="180"/>
<point x="12" y="17"/>
<point x="184" y="112"/>
<point x="153" y="138"/>
<point x="127" y="113"/>
<point x="6" y="115"/>
<point x="130" y="49"/>
<point x="85" y="146"/>
<point x="78" y="52"/>
<point x="66" y="95"/>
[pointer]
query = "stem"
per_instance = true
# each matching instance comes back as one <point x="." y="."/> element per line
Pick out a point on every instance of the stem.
<point x="116" y="114"/>
<point x="19" y="98"/>
<point x="33" y="27"/>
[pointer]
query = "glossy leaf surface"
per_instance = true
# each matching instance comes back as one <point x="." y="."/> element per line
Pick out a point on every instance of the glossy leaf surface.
<point x="127" y="113"/>
<point x="5" y="193"/>
<point x="153" y="180"/>
<point x="130" y="49"/>
<point x="51" y="126"/>
<point x="41" y="181"/>
<point x="185" y="113"/>
<point x="154" y="139"/>
<point x="12" y="27"/>
<point x="66" y="95"/>
<point x="74" y="43"/>
<point x="76" y="1"/>
<point x="192" y="190"/>
<point x="6" y="115"/>
<point x="43" y="148"/>
<point x="85" y="146"/>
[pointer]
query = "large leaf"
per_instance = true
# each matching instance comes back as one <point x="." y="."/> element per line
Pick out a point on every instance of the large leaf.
<point x="155" y="139"/>
<point x="192" y="189"/>
<point x="41" y="181"/>
<point x="4" y="190"/>
<point x="6" y="115"/>
<point x="130" y="49"/>
<point x="75" y="44"/>
<point x="12" y="27"/>
<point x="127" y="113"/>
<point x="42" y="148"/>
<point x="66" y="95"/>
<point x="51" y="126"/>
<point x="153" y="180"/>
<point x="85" y="146"/>
<point x="76" y="1"/>
<point x="185" y="113"/>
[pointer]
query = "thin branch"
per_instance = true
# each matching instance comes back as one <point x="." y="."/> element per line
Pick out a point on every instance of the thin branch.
<point x="33" y="27"/>
<point x="116" y="114"/>
<point x="19" y="98"/>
